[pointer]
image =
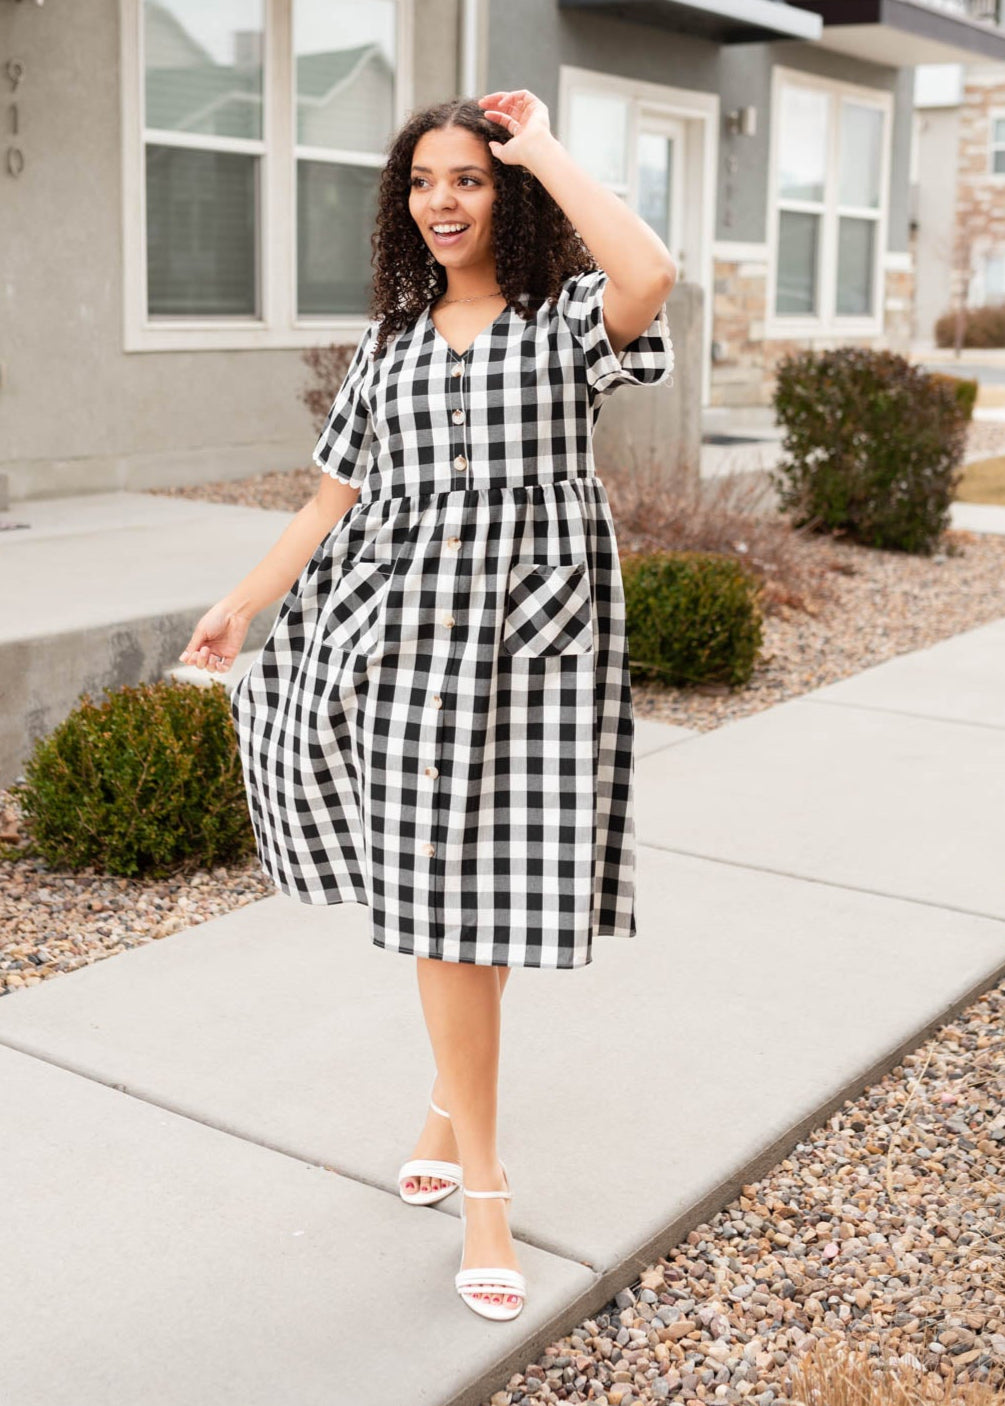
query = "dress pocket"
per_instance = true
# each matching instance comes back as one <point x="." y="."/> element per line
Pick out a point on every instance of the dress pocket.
<point x="548" y="610"/>
<point x="358" y="596"/>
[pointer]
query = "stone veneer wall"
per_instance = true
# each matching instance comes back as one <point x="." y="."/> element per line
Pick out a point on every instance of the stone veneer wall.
<point x="743" y="371"/>
<point x="980" y="194"/>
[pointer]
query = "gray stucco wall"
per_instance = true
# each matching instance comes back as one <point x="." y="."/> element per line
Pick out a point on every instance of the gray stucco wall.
<point x="78" y="413"/>
<point x="746" y="80"/>
<point x="589" y="41"/>
<point x="740" y="73"/>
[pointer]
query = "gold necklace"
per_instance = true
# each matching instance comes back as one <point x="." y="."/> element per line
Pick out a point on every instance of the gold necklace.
<point x="475" y="299"/>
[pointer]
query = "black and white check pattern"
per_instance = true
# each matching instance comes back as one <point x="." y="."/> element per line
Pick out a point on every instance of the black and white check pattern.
<point x="440" y="723"/>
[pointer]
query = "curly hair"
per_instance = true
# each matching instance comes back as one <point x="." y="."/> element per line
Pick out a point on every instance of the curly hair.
<point x="535" y="245"/>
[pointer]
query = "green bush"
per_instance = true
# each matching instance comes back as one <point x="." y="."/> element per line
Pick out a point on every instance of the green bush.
<point x="875" y="446"/>
<point x="964" y="390"/>
<point x="691" y="617"/>
<point x="982" y="327"/>
<point x="148" y="782"/>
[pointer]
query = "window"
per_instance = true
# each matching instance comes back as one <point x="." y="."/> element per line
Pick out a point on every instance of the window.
<point x="203" y="155"/>
<point x="997" y="145"/>
<point x="253" y="140"/>
<point x="987" y="282"/>
<point x="345" y="113"/>
<point x="828" y="212"/>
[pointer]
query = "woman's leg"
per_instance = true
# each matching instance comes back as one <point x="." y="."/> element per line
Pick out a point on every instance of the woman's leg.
<point x="437" y="1138"/>
<point x="461" y="1005"/>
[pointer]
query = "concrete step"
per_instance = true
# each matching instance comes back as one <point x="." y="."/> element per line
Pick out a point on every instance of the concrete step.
<point x="104" y="589"/>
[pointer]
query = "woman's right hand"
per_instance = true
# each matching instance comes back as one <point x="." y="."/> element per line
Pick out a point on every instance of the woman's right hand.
<point x="216" y="640"/>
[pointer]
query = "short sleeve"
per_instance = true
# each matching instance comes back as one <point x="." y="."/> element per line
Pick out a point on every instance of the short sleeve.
<point x="344" y="446"/>
<point x="647" y="361"/>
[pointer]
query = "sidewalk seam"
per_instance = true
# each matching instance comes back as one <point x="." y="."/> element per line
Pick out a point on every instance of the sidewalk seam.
<point x="903" y="712"/>
<point x="815" y="879"/>
<point x="305" y="1161"/>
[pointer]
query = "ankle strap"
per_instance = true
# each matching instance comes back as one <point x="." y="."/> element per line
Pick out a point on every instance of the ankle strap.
<point x="486" y="1193"/>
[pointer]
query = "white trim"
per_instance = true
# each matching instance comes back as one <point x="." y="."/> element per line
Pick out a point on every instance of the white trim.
<point x="828" y="323"/>
<point x="199" y="141"/>
<point x="735" y="251"/>
<point x="700" y="113"/>
<point x="277" y="153"/>
<point x="473" y="45"/>
<point x="997" y="176"/>
<point x="898" y="261"/>
<point x="337" y="157"/>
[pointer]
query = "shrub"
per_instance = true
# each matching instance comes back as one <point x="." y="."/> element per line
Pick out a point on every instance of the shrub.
<point x="964" y="390"/>
<point x="658" y="508"/>
<point x="875" y="446"/>
<point x="328" y="366"/>
<point x="149" y="781"/>
<point x="691" y="617"/>
<point x="982" y="327"/>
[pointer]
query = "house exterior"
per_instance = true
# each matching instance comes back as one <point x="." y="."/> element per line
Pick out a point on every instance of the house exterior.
<point x="958" y="190"/>
<point x="188" y="193"/>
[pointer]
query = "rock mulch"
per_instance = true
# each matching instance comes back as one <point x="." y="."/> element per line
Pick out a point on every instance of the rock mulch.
<point x="884" y="1231"/>
<point x="52" y="922"/>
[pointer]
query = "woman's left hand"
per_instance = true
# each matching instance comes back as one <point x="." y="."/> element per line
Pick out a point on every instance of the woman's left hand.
<point x="524" y="116"/>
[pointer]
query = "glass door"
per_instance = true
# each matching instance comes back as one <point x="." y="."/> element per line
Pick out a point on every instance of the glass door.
<point x="659" y="167"/>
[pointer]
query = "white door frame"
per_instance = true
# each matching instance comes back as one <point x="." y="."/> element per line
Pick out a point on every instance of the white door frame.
<point x="650" y="104"/>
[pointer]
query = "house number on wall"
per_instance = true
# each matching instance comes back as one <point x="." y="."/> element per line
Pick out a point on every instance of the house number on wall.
<point x="15" y="156"/>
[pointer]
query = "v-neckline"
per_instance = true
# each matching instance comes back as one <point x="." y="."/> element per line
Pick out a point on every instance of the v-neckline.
<point x="452" y="350"/>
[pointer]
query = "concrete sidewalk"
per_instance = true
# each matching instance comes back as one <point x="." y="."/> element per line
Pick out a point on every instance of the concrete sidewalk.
<point x="202" y="1134"/>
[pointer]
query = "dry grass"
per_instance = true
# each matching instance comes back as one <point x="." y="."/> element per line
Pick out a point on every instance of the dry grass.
<point x="988" y="395"/>
<point x="983" y="481"/>
<point x="733" y="514"/>
<point x="832" y="1374"/>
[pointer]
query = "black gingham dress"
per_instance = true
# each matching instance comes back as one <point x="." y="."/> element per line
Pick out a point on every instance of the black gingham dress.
<point x="440" y="723"/>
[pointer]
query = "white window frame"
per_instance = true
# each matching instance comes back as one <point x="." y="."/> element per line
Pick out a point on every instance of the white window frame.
<point x="996" y="114"/>
<point x="828" y="322"/>
<point x="278" y="324"/>
<point x="700" y="113"/>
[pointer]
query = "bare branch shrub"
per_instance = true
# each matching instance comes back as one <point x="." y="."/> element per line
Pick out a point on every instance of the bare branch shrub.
<point x="730" y="513"/>
<point x="328" y="366"/>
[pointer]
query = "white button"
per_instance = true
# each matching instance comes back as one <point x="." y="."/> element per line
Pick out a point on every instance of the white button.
<point x="457" y="371"/>
<point x="437" y="701"/>
<point x="458" y="417"/>
<point x="429" y="849"/>
<point x="453" y="543"/>
<point x="447" y="619"/>
<point x="432" y="771"/>
<point x="460" y="462"/>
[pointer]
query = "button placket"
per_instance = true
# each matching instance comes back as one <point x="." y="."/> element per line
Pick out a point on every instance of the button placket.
<point x="458" y="415"/>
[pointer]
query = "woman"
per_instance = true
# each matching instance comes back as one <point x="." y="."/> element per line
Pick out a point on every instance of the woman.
<point x="440" y="723"/>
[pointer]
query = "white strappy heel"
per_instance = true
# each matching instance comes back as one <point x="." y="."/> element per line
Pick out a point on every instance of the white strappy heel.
<point x="429" y="1167"/>
<point x="492" y="1280"/>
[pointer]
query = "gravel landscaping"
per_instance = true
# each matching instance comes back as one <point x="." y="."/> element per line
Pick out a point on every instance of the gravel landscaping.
<point x="884" y="1232"/>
